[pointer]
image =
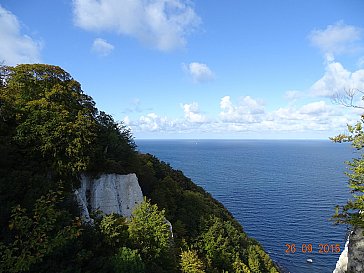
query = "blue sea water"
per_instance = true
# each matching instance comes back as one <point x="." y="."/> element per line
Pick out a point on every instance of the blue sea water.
<point x="281" y="191"/>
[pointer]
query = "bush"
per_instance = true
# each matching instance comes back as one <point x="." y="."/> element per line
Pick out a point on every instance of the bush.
<point x="127" y="261"/>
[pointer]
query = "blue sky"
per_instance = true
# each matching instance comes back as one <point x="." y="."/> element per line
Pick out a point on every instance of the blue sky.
<point x="201" y="69"/>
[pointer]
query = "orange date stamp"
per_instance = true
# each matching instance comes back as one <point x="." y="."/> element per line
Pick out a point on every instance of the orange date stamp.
<point x="312" y="248"/>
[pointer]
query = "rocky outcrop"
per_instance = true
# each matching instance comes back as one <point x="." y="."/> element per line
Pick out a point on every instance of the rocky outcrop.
<point x="352" y="258"/>
<point x="109" y="193"/>
<point x="356" y="251"/>
<point x="342" y="263"/>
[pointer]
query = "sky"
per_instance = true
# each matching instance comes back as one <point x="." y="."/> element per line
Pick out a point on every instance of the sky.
<point x="181" y="69"/>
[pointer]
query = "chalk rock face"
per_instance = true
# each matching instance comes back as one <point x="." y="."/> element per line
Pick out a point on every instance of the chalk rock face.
<point x="342" y="263"/>
<point x="352" y="258"/>
<point x="356" y="251"/>
<point x="110" y="193"/>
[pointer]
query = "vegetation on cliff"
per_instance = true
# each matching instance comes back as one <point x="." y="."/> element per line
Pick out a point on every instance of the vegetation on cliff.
<point x="353" y="211"/>
<point x="51" y="132"/>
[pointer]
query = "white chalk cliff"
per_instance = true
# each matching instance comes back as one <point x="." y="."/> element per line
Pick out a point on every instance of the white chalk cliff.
<point x="342" y="263"/>
<point x="109" y="193"/>
<point x="352" y="258"/>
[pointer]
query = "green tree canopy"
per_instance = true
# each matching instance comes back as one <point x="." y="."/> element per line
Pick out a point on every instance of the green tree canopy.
<point x="51" y="130"/>
<point x="353" y="211"/>
<point x="127" y="261"/>
<point x="150" y="233"/>
<point x="221" y="243"/>
<point x="45" y="113"/>
<point x="37" y="235"/>
<point x="50" y="115"/>
<point x="190" y="262"/>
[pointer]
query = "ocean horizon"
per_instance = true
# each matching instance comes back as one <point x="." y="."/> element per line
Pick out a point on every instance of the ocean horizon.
<point x="282" y="191"/>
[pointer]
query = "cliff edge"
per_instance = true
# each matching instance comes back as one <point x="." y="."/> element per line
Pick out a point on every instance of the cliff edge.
<point x="356" y="251"/>
<point x="109" y="193"/>
<point x="352" y="258"/>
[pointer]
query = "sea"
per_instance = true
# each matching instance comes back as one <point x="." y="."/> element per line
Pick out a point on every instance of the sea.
<point x="283" y="192"/>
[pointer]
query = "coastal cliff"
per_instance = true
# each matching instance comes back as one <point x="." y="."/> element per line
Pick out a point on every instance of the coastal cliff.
<point x="352" y="258"/>
<point x="342" y="263"/>
<point x="356" y="251"/>
<point x="109" y="193"/>
<point x="52" y="134"/>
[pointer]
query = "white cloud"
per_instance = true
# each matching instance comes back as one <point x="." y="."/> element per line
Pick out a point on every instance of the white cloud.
<point x="248" y="110"/>
<point x="152" y="123"/>
<point x="310" y="118"/>
<point x="315" y="108"/>
<point x="248" y="117"/>
<point x="315" y="119"/>
<point x="192" y="113"/>
<point x="163" y="24"/>
<point x="126" y="120"/>
<point x="102" y="47"/>
<point x="293" y="95"/>
<point x="198" y="72"/>
<point x="15" y="47"/>
<point x="337" y="79"/>
<point x="314" y="116"/>
<point x="336" y="39"/>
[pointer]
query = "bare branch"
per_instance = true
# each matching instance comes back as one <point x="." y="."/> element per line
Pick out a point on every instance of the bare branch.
<point x="346" y="98"/>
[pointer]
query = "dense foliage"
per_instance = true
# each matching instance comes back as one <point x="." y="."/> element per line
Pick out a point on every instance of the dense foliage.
<point x="37" y="236"/>
<point x="353" y="211"/>
<point x="51" y="133"/>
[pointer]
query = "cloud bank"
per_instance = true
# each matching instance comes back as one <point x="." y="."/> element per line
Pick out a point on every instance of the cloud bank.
<point x="307" y="112"/>
<point x="162" y="24"/>
<point x="249" y="115"/>
<point x="192" y="113"/>
<point x="336" y="79"/>
<point x="16" y="47"/>
<point x="336" y="39"/>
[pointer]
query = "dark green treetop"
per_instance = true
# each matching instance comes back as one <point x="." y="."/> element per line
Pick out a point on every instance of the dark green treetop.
<point x="353" y="211"/>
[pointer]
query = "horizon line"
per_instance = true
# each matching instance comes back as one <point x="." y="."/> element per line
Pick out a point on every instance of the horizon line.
<point x="255" y="139"/>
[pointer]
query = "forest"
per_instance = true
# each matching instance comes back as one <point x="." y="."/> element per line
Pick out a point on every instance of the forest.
<point x="51" y="134"/>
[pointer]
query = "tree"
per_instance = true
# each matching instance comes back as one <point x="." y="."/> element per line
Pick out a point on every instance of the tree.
<point x="115" y="149"/>
<point x="127" y="261"/>
<point x="51" y="130"/>
<point x="253" y="260"/>
<point x="347" y="98"/>
<point x="114" y="229"/>
<point x="150" y="233"/>
<point x="353" y="211"/>
<point x="221" y="243"/>
<point x="240" y="267"/>
<point x="190" y="262"/>
<point x="166" y="195"/>
<point x="37" y="235"/>
<point x="52" y="117"/>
